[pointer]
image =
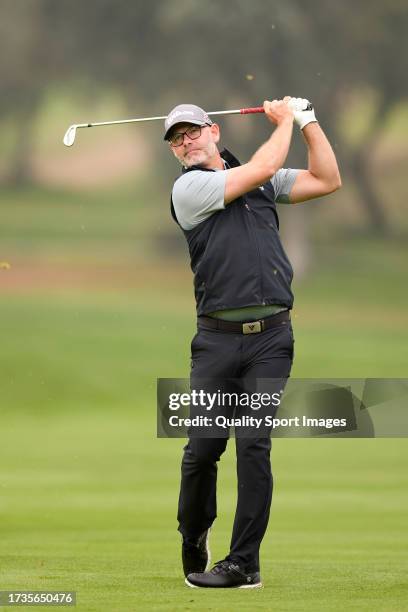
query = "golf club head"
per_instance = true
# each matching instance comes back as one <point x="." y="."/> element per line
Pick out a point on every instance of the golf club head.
<point x="69" y="137"/>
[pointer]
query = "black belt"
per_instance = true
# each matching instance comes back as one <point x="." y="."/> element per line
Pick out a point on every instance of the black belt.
<point x="250" y="327"/>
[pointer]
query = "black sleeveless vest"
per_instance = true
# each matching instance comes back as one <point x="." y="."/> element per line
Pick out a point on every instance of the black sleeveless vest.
<point x="236" y="254"/>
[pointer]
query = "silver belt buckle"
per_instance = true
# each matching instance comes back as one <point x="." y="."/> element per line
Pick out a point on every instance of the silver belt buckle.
<point x="252" y="328"/>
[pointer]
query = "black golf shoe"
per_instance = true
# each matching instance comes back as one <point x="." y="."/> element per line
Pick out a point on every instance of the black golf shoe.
<point x="196" y="554"/>
<point x="225" y="575"/>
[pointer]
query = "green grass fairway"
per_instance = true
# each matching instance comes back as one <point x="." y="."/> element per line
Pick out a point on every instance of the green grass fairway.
<point x="89" y="504"/>
<point x="89" y="493"/>
<point x="90" y="316"/>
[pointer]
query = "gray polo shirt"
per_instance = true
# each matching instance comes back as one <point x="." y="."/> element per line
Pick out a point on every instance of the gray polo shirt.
<point x="197" y="195"/>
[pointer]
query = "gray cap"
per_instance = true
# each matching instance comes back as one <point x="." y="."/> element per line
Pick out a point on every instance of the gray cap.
<point x="185" y="113"/>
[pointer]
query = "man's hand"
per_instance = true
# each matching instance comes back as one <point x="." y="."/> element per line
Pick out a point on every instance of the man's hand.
<point x="278" y="111"/>
<point x="303" y="111"/>
<point x="270" y="156"/>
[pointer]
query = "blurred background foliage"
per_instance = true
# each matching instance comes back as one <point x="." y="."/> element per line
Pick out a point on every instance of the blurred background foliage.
<point x="141" y="58"/>
<point x="96" y="293"/>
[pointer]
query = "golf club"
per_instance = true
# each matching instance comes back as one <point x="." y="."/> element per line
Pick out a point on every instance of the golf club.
<point x="70" y="134"/>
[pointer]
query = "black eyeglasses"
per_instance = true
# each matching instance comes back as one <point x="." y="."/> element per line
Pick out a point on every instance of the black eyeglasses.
<point x="192" y="132"/>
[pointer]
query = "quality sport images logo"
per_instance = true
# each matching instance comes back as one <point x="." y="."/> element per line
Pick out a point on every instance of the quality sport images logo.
<point x="362" y="408"/>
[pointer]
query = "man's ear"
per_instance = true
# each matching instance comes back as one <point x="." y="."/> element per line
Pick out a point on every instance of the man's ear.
<point x="215" y="131"/>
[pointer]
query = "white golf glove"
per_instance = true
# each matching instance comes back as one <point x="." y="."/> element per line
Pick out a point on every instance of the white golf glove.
<point x="303" y="111"/>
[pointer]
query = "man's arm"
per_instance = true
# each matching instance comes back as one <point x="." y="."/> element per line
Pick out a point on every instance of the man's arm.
<point x="322" y="176"/>
<point x="268" y="158"/>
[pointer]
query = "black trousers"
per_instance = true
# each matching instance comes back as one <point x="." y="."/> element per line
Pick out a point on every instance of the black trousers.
<point x="225" y="355"/>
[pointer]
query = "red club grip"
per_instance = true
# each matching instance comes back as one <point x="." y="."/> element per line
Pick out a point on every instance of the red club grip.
<point x="256" y="109"/>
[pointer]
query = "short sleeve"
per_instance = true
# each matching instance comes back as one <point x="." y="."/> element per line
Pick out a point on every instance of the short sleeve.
<point x="282" y="182"/>
<point x="197" y="195"/>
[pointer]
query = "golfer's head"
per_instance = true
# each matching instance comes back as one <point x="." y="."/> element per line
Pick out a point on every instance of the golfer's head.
<point x="191" y="135"/>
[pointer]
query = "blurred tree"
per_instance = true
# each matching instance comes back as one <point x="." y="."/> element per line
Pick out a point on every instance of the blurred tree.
<point x="23" y="77"/>
<point x="361" y="40"/>
<point x="215" y="54"/>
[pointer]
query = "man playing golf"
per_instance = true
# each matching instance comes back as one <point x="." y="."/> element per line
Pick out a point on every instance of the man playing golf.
<point x="242" y="280"/>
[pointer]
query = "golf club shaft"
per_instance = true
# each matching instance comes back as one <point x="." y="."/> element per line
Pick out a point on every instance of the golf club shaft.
<point x="242" y="111"/>
<point x="69" y="137"/>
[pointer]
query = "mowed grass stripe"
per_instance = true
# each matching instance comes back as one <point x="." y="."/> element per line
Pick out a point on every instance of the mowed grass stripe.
<point x="107" y="526"/>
